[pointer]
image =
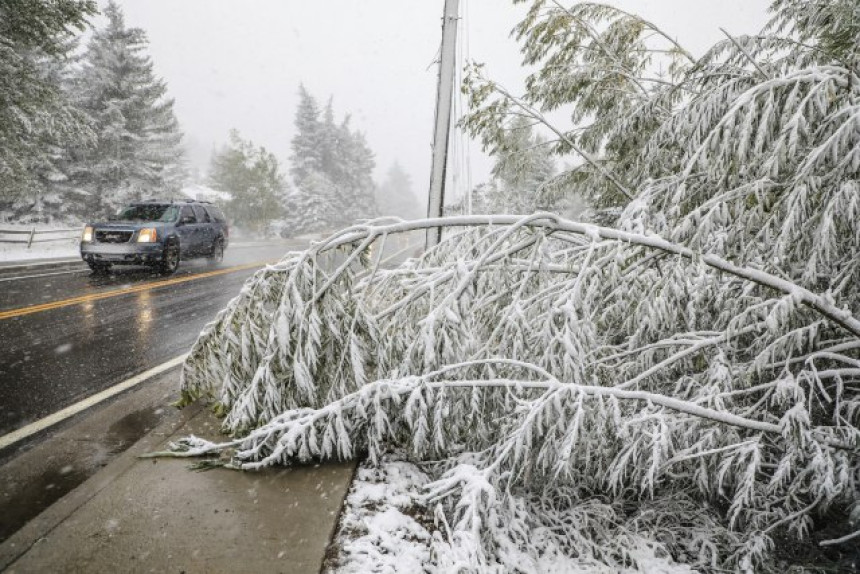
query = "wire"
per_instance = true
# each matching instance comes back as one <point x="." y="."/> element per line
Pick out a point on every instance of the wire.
<point x="461" y="172"/>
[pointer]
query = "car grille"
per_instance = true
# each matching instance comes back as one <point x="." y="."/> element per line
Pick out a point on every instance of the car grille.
<point x="113" y="236"/>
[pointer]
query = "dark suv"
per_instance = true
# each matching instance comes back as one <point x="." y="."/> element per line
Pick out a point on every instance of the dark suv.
<point x="158" y="234"/>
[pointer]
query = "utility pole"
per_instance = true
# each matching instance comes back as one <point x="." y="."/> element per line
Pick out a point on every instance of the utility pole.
<point x="442" y="129"/>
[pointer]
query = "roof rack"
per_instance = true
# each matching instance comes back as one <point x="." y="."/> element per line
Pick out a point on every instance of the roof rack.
<point x="171" y="200"/>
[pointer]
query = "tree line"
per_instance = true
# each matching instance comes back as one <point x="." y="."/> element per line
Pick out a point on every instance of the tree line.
<point x="331" y="169"/>
<point x="86" y="129"/>
<point x="82" y="131"/>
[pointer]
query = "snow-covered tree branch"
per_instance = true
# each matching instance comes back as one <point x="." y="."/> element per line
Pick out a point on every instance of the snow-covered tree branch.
<point x="687" y="380"/>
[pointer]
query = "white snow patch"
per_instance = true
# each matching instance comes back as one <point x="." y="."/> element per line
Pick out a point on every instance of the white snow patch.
<point x="376" y="532"/>
<point x="64" y="245"/>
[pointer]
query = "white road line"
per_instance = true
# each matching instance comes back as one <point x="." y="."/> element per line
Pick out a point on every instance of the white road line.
<point x="43" y="275"/>
<point x="50" y="420"/>
<point x="40" y="263"/>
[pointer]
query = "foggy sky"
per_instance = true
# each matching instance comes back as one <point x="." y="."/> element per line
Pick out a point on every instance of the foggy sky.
<point x="238" y="63"/>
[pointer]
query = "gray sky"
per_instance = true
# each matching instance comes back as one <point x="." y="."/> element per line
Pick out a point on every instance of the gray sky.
<point x="232" y="63"/>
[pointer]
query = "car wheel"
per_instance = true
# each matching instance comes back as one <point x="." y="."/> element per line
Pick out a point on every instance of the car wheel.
<point x="170" y="261"/>
<point x="217" y="254"/>
<point x="99" y="268"/>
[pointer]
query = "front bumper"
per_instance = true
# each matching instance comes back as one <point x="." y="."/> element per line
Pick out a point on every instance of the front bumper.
<point x="122" y="253"/>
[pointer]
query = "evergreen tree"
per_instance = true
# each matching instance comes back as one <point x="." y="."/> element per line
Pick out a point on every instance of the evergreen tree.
<point x="524" y="165"/>
<point x="356" y="161"/>
<point x="36" y="117"/>
<point x="395" y="196"/>
<point x="138" y="151"/>
<point x="339" y="159"/>
<point x="307" y="156"/>
<point x="313" y="207"/>
<point x="251" y="175"/>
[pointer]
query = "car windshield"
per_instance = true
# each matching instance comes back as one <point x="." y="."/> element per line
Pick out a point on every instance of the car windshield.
<point x="148" y="213"/>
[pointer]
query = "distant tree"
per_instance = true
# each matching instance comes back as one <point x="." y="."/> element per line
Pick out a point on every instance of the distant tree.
<point x="138" y="151"/>
<point x="307" y="151"/>
<point x="339" y="161"/>
<point x="36" y="116"/>
<point x="312" y="207"/>
<point x="395" y="196"/>
<point x="523" y="169"/>
<point x="357" y="162"/>
<point x="251" y="175"/>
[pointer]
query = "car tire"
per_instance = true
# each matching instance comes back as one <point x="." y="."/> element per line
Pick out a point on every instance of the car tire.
<point x="99" y="268"/>
<point x="217" y="254"/>
<point x="170" y="259"/>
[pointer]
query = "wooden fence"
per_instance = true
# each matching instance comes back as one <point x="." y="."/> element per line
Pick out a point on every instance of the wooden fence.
<point x="31" y="236"/>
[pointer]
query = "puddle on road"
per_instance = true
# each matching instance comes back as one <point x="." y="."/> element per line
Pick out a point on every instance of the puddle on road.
<point x="25" y="495"/>
<point x="130" y="429"/>
<point x="23" y="501"/>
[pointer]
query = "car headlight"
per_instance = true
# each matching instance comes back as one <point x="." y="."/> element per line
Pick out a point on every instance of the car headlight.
<point x="147" y="235"/>
<point x="88" y="233"/>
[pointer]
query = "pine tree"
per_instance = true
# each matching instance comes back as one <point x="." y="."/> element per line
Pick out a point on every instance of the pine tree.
<point x="395" y="196"/>
<point x="251" y="175"/>
<point x="523" y="168"/>
<point x="138" y="151"/>
<point x="357" y="162"/>
<point x="306" y="145"/>
<point x="36" y="117"/>
<point x="338" y="158"/>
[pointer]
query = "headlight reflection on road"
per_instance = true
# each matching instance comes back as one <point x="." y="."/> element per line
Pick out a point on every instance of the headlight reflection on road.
<point x="89" y="316"/>
<point x="145" y="315"/>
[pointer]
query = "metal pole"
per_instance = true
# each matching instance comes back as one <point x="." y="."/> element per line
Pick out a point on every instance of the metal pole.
<point x="443" y="118"/>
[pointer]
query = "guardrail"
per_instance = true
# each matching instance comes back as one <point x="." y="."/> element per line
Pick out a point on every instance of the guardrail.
<point x="33" y="233"/>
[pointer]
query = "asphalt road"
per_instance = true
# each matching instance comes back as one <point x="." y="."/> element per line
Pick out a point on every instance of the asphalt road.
<point x="66" y="333"/>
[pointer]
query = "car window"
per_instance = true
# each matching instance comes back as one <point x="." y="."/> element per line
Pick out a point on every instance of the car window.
<point x="202" y="216"/>
<point x="188" y="212"/>
<point x="147" y="213"/>
<point x="214" y="213"/>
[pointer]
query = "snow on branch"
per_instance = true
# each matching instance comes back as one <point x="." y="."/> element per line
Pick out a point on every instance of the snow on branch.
<point x="591" y="367"/>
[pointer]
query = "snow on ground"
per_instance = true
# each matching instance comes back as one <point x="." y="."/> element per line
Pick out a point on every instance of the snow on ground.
<point x="378" y="530"/>
<point x="65" y="245"/>
<point x="385" y="528"/>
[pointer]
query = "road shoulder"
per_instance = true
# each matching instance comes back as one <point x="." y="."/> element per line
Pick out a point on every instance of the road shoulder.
<point x="144" y="514"/>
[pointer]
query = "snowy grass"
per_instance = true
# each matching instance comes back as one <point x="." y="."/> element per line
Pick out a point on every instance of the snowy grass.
<point x="386" y="527"/>
<point x="67" y="247"/>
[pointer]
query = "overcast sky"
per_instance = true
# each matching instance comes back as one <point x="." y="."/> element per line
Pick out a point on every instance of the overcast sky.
<point x="238" y="63"/>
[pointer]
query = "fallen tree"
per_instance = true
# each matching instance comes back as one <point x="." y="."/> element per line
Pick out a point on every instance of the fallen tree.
<point x="682" y="383"/>
<point x="544" y="365"/>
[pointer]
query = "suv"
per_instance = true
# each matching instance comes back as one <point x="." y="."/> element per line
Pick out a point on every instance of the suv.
<point x="158" y="234"/>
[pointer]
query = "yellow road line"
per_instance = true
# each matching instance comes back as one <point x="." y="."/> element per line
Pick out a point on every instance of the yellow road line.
<point x="125" y="290"/>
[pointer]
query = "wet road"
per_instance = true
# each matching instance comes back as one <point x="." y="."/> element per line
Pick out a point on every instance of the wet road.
<point x="68" y="334"/>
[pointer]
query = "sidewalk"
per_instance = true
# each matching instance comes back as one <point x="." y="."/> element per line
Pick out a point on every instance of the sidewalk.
<point x="156" y="515"/>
